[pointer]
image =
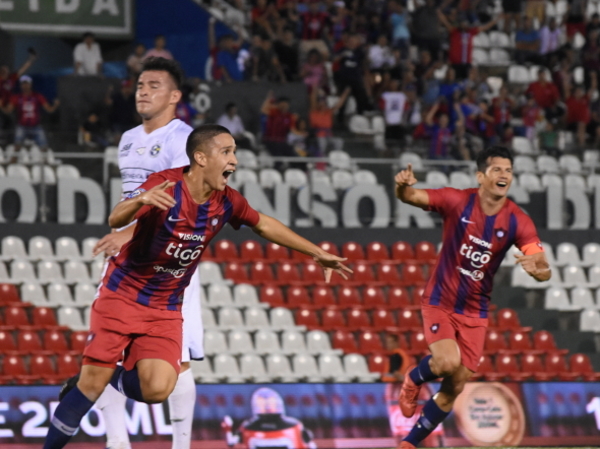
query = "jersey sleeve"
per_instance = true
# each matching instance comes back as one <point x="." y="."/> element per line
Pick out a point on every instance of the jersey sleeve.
<point x="527" y="239"/>
<point x="152" y="181"/>
<point x="444" y="200"/>
<point x="243" y="214"/>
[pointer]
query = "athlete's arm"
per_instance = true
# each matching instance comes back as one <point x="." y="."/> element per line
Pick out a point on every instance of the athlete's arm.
<point x="536" y="265"/>
<point x="112" y="243"/>
<point x="275" y="231"/>
<point x="125" y="211"/>
<point x="408" y="194"/>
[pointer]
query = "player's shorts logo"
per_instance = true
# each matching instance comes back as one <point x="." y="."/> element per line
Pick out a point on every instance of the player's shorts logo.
<point x="90" y="338"/>
<point x="435" y="327"/>
<point x="155" y="150"/>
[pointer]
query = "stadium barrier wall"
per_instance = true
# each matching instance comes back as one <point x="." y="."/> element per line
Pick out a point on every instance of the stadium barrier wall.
<point x="335" y="415"/>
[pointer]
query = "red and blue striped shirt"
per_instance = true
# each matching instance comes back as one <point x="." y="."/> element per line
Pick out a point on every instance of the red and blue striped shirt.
<point x="156" y="265"/>
<point x="474" y="245"/>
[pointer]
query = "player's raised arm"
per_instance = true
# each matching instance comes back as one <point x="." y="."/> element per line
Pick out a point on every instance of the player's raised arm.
<point x="408" y="194"/>
<point x="275" y="231"/>
<point x="125" y="211"/>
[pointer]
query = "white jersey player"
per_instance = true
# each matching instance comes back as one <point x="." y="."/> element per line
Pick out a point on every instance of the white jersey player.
<point x="158" y="144"/>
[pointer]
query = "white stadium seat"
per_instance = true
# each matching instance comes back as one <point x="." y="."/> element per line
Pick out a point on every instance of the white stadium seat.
<point x="48" y="172"/>
<point x="594" y="277"/>
<point x="567" y="254"/>
<point x="87" y="247"/>
<point x="317" y="342"/>
<point x="210" y="273"/>
<point x="570" y="163"/>
<point x="582" y="298"/>
<point x="436" y="179"/>
<point x="202" y="371"/>
<point x="85" y="294"/>
<point x="71" y="317"/>
<point x="242" y="176"/>
<point x="226" y="369"/>
<point x="76" y="272"/>
<point x="246" y="159"/>
<point x="573" y="276"/>
<point x="530" y="182"/>
<point x="331" y="368"/>
<point x="480" y="57"/>
<point x="556" y="298"/>
<point x="269" y="178"/>
<point x="208" y="318"/>
<point x="319" y="176"/>
<point x="253" y="369"/>
<point x="214" y="342"/>
<point x="219" y="295"/>
<point x="292" y="342"/>
<point x="524" y="164"/>
<point x="230" y="318"/>
<point x="589" y="321"/>
<point x="21" y="271"/>
<point x="499" y="39"/>
<point x="267" y="342"/>
<point x="66" y="171"/>
<point x="552" y="180"/>
<point x="34" y="293"/>
<point x="278" y="367"/>
<point x="49" y="271"/>
<point x="305" y="368"/>
<point x="411" y="158"/>
<point x="4" y="277"/>
<point x="461" y="180"/>
<point x="342" y="180"/>
<point x="356" y="367"/>
<point x="509" y="258"/>
<point x="67" y="248"/>
<point x="591" y="254"/>
<point x="97" y="266"/>
<point x="365" y="177"/>
<point x="572" y="180"/>
<point x="522" y="145"/>
<point x="240" y="342"/>
<point x="18" y="171"/>
<point x="59" y="294"/>
<point x="256" y="318"/>
<point x="499" y="57"/>
<point x="295" y="178"/>
<point x="13" y="248"/>
<point x="245" y="295"/>
<point x="481" y="40"/>
<point x="282" y="318"/>
<point x="339" y="160"/>
<point x="547" y="164"/>
<point x="518" y="74"/>
<point x="40" y="248"/>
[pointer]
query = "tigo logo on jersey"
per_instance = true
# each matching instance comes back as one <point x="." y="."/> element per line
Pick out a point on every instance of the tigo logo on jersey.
<point x="155" y="150"/>
<point x="478" y="259"/>
<point x="187" y="256"/>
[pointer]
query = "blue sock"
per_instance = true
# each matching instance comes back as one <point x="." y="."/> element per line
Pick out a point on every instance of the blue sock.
<point x="422" y="372"/>
<point x="430" y="417"/>
<point x="128" y="383"/>
<point x="66" y="418"/>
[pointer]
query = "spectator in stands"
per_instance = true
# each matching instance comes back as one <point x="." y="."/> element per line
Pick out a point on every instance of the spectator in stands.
<point x="135" y="60"/>
<point x="470" y="111"/>
<point x="227" y="60"/>
<point x="532" y="114"/>
<point x="315" y="28"/>
<point x="578" y="114"/>
<point x="8" y="84"/>
<point x="593" y="24"/>
<point x="502" y="107"/>
<point x="424" y="71"/>
<point x="507" y="135"/>
<point x="186" y="112"/>
<point x="298" y="139"/>
<point x="159" y="50"/>
<point x="535" y="9"/>
<point x="449" y="86"/>
<point x="461" y="43"/>
<point x="593" y="127"/>
<point x="393" y="105"/>
<point x="398" y="359"/>
<point x="28" y="105"/>
<point x="233" y="122"/>
<point x="123" y="115"/>
<point x="590" y="55"/>
<point x="512" y="10"/>
<point x="94" y="132"/>
<point x="575" y="18"/>
<point x="426" y="29"/>
<point x="527" y="42"/>
<point x="351" y="71"/>
<point x="440" y="133"/>
<point x="321" y="120"/>
<point x="314" y="73"/>
<point x="464" y="145"/>
<point x="289" y="18"/>
<point x="546" y="95"/>
<point x="381" y="55"/>
<point x="486" y="125"/>
<point x="288" y="54"/>
<point x="474" y="83"/>
<point x="399" y="22"/>
<point x="87" y="56"/>
<point x="265" y="64"/>
<point x="340" y="20"/>
<point x="550" y="39"/>
<point x="264" y="15"/>
<point x="280" y="121"/>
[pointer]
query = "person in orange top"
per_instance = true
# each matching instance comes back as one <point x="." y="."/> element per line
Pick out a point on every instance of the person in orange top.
<point x="321" y="119"/>
<point x="578" y="114"/>
<point x="546" y="96"/>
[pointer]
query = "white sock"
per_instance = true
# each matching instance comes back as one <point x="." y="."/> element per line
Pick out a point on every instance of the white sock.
<point x="181" y="409"/>
<point x="112" y="404"/>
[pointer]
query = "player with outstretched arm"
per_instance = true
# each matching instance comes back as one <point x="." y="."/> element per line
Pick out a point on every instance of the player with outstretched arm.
<point x="480" y="225"/>
<point x="138" y="309"/>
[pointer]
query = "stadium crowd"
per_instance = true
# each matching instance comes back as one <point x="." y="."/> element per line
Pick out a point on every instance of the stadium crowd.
<point x="416" y="64"/>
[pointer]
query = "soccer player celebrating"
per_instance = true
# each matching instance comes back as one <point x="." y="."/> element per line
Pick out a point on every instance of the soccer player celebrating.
<point x="155" y="145"/>
<point x="138" y="308"/>
<point x="480" y="225"/>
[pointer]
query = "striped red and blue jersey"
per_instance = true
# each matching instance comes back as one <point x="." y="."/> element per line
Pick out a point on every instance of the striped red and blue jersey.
<point x="156" y="265"/>
<point x="473" y="247"/>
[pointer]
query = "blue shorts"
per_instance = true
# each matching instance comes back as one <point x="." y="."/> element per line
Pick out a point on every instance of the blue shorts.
<point x="35" y="133"/>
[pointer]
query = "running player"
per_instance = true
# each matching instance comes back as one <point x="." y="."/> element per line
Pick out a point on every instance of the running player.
<point x="157" y="144"/>
<point x="178" y="212"/>
<point x="480" y="225"/>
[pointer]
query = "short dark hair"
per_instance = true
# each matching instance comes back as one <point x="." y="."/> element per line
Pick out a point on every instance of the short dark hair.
<point x="230" y="105"/>
<point x="88" y="34"/>
<point x="200" y="136"/>
<point x="491" y="152"/>
<point x="164" y="65"/>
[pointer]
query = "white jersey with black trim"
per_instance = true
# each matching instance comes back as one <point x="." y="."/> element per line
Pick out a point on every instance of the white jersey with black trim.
<point x="141" y="154"/>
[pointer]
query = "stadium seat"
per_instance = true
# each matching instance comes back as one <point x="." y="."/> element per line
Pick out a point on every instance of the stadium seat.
<point x="356" y="368"/>
<point x="97" y="269"/>
<point x="261" y="273"/>
<point x="246" y="158"/>
<point x="357" y="318"/>
<point x="436" y="179"/>
<point x="18" y="171"/>
<point x="7" y="342"/>
<point x="480" y="56"/>
<point x="251" y="251"/>
<point x="31" y="292"/>
<point x="49" y="271"/>
<point x="582" y="298"/>
<point x="245" y="295"/>
<point x="374" y="297"/>
<point x="256" y="318"/>
<point x="77" y="341"/>
<point x="461" y="180"/>
<point x="369" y="343"/>
<point x="340" y="160"/>
<point x="323" y="296"/>
<point x="591" y="254"/>
<point x="572" y="180"/>
<point x="551" y="179"/>
<point x="55" y="342"/>
<point x="509" y="320"/>
<point x="40" y="248"/>
<point x="236" y="272"/>
<point x="215" y="343"/>
<point x="203" y="372"/>
<point x="287" y="273"/>
<point x="319" y="177"/>
<point x="409" y="157"/>
<point x="230" y="318"/>
<point x="409" y="320"/>
<point x="16" y="316"/>
<point x="544" y="341"/>
<point x="297" y="297"/>
<point x="312" y="273"/>
<point x="317" y="342"/>
<point x="44" y="317"/>
<point x="402" y="251"/>
<point x="342" y="179"/>
<point x="363" y="274"/>
<point x="574" y="276"/>
<point x="266" y="342"/>
<point x="240" y="342"/>
<point x="522" y="145"/>
<point x="556" y="298"/>
<point x="272" y="295"/>
<point x="46" y="171"/>
<point x="353" y="251"/>
<point x="384" y="318"/>
<point x="9" y="294"/>
<point x="377" y="252"/>
<point x="567" y="254"/>
<point x="67" y="171"/>
<point x="557" y="366"/>
<point x="59" y="294"/>
<point x="252" y="369"/>
<point x="580" y="364"/>
<point x="494" y="342"/>
<point x="14" y="370"/>
<point x="349" y="296"/>
<point x="486" y="366"/>
<point x="507" y="366"/>
<point x="365" y="177"/>
<point x="269" y="178"/>
<point x="13" y="248"/>
<point x="295" y="178"/>
<point x="425" y="252"/>
<point x="282" y="319"/>
<point x="87" y="248"/>
<point x="417" y="344"/>
<point x="530" y="182"/>
<point x="225" y="250"/>
<point x="67" y="249"/>
<point x="4" y="277"/>
<point x="226" y="369"/>
<point x="305" y="368"/>
<point x="21" y="271"/>
<point x="76" y="272"/>
<point x="219" y="295"/>
<point x="279" y="369"/>
<point x="292" y="342"/>
<point x="379" y="364"/>
<point x="308" y="318"/>
<point x="532" y="363"/>
<point x="84" y="294"/>
<point x="275" y="252"/>
<point x="67" y="366"/>
<point x="524" y="164"/>
<point x="344" y="340"/>
<point x="242" y="176"/>
<point x="398" y="297"/>
<point x="331" y="368"/>
<point x="589" y="321"/>
<point x="519" y="342"/>
<point x="332" y="318"/>
<point x="412" y="275"/>
<point x="28" y="342"/>
<point x="388" y="274"/>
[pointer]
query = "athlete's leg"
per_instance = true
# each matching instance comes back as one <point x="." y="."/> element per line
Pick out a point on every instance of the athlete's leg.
<point x="445" y="357"/>
<point x="157" y="379"/>
<point x="451" y="387"/>
<point x="76" y="404"/>
<point x="112" y="405"/>
<point x="181" y="408"/>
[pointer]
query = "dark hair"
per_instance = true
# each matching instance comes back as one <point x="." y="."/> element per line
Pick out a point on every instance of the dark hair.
<point x="165" y="65"/>
<point x="283" y="99"/>
<point x="88" y="34"/>
<point x="200" y="136"/>
<point x="159" y="36"/>
<point x="230" y="105"/>
<point x="491" y="152"/>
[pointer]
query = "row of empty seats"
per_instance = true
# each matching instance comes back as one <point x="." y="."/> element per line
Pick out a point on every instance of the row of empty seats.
<point x="40" y="247"/>
<point x="568" y="277"/>
<point x="31" y="155"/>
<point x="51" y="341"/>
<point x="48" y="271"/>
<point x="296" y="178"/>
<point x="37" y="369"/>
<point x="567" y="163"/>
<point x="281" y="368"/>
<point x="34" y="175"/>
<point x="579" y="298"/>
